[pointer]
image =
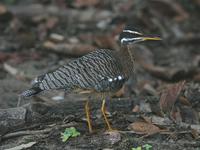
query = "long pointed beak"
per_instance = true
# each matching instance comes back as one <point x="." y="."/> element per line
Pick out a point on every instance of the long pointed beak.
<point x="151" y="38"/>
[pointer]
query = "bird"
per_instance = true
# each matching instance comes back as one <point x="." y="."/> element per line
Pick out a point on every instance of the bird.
<point x="103" y="71"/>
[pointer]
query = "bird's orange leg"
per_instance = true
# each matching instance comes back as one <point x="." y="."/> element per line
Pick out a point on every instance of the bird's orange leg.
<point x="103" y="110"/>
<point x="87" y="111"/>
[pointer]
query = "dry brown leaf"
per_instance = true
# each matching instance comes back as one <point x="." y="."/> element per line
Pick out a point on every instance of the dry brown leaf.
<point x="141" y="127"/>
<point x="184" y="101"/>
<point x="169" y="96"/>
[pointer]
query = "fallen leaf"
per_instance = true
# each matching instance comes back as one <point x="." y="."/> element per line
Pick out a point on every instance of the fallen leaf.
<point x="169" y="96"/>
<point x="184" y="101"/>
<point x="141" y="127"/>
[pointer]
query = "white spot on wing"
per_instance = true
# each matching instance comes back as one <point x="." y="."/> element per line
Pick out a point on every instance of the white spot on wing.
<point x="110" y="80"/>
<point x="119" y="77"/>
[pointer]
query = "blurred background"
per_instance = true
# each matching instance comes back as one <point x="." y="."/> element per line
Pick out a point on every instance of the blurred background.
<point x="37" y="36"/>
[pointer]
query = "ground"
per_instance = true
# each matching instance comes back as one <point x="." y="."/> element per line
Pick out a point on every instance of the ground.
<point x="159" y="106"/>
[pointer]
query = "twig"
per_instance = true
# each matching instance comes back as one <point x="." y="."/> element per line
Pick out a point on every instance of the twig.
<point x="22" y="133"/>
<point x="22" y="146"/>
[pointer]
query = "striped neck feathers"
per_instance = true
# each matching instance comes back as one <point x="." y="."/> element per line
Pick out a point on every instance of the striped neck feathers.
<point x="128" y="58"/>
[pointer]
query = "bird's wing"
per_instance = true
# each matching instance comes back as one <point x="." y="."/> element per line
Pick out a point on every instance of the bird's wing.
<point x="99" y="70"/>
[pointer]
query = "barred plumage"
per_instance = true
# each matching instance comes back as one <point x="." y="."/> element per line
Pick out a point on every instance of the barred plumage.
<point x="86" y="73"/>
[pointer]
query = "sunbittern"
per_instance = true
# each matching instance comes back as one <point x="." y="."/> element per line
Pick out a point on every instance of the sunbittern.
<point x="104" y="71"/>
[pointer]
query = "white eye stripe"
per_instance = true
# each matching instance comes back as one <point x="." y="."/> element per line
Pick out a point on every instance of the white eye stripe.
<point x="129" y="39"/>
<point x="134" y="32"/>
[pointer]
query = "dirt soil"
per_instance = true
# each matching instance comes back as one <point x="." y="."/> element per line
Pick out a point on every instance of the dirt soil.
<point x="158" y="107"/>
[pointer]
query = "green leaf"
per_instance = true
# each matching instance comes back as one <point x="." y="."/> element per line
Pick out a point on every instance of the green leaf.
<point x="147" y="146"/>
<point x="69" y="132"/>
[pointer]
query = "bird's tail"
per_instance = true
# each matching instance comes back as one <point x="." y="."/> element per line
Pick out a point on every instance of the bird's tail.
<point x="35" y="87"/>
<point x="30" y="92"/>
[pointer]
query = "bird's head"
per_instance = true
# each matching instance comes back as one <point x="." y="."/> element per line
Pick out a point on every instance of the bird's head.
<point x="132" y="36"/>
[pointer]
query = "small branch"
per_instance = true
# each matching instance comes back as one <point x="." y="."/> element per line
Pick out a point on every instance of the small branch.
<point x="44" y="131"/>
<point x="22" y="146"/>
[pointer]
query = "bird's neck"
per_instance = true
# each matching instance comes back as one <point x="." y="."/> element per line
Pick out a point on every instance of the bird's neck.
<point x="127" y="58"/>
